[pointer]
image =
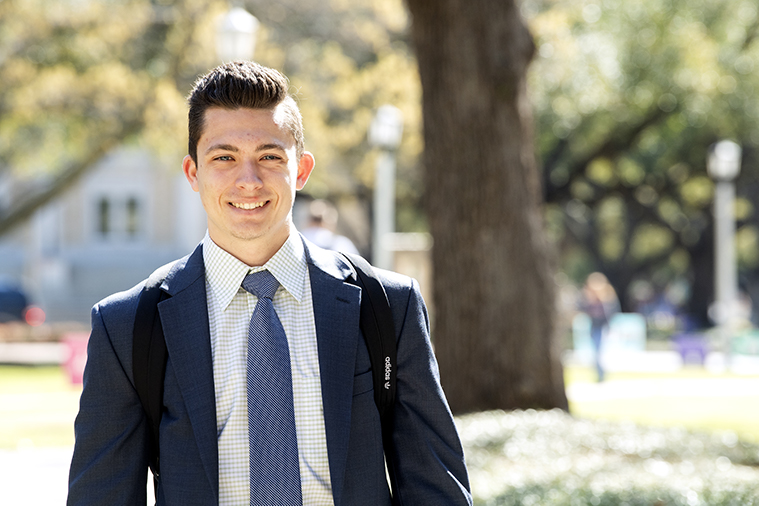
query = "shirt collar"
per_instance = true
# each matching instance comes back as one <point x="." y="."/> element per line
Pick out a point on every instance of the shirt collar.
<point x="225" y="273"/>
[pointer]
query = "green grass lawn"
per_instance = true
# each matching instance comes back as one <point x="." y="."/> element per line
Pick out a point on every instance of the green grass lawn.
<point x="708" y="401"/>
<point x="37" y="407"/>
<point x="38" y="404"/>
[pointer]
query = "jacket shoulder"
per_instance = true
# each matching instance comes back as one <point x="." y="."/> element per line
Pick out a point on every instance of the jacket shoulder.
<point x="119" y="309"/>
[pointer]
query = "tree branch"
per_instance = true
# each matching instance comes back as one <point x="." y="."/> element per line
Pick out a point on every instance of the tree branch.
<point x="751" y="34"/>
<point x="19" y="212"/>
<point x="617" y="142"/>
<point x="99" y="146"/>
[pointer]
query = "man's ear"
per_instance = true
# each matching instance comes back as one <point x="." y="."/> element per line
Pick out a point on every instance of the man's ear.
<point x="190" y="170"/>
<point x="305" y="167"/>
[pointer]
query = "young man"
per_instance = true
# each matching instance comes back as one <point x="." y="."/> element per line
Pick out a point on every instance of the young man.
<point x="246" y="160"/>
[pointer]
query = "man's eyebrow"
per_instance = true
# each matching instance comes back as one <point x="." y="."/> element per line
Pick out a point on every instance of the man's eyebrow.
<point x="222" y="147"/>
<point x="271" y="145"/>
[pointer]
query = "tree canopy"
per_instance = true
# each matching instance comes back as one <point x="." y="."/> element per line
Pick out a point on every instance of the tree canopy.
<point x="80" y="77"/>
<point x="627" y="96"/>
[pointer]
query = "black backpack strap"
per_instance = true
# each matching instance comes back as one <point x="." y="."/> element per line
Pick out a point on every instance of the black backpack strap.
<point x="149" y="355"/>
<point x="379" y="333"/>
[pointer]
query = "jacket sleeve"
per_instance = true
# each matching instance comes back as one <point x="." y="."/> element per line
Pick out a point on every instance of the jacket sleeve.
<point x="110" y="461"/>
<point x="428" y="456"/>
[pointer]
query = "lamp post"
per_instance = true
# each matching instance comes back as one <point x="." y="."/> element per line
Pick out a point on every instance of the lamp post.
<point x="235" y="40"/>
<point x="385" y="133"/>
<point x="723" y="165"/>
<point x="236" y="35"/>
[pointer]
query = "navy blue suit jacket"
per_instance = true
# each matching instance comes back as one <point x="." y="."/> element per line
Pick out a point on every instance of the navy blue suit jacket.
<point x="110" y="461"/>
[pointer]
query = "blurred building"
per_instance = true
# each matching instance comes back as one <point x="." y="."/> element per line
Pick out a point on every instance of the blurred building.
<point x="126" y="217"/>
<point x="129" y="215"/>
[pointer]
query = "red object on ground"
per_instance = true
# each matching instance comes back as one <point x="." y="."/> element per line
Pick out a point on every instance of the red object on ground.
<point x="76" y="355"/>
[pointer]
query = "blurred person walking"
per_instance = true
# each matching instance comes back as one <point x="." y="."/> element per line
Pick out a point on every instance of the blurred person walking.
<point x="322" y="220"/>
<point x="600" y="303"/>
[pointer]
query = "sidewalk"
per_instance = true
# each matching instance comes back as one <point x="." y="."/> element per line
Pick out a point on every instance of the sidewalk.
<point x="675" y="387"/>
<point x="44" y="353"/>
<point x="664" y="361"/>
<point x="39" y="477"/>
<point x="34" y="476"/>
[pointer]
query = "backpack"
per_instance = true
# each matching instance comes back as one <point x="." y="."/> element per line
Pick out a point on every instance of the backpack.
<point x="149" y="353"/>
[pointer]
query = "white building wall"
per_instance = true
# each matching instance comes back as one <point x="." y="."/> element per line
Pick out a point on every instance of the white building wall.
<point x="128" y="216"/>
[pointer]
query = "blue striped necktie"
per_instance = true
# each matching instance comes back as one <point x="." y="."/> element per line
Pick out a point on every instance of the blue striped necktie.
<point x="274" y="469"/>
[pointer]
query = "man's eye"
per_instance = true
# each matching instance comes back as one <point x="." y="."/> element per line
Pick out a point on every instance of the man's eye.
<point x="223" y="158"/>
<point x="270" y="157"/>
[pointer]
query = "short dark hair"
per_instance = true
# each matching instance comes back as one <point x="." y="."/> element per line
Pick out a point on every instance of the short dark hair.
<point x="242" y="84"/>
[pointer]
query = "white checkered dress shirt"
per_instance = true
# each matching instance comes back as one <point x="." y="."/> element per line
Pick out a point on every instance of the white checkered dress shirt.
<point x="229" y="310"/>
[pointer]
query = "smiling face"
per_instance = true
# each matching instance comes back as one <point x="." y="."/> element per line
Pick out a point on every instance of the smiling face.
<point x="247" y="173"/>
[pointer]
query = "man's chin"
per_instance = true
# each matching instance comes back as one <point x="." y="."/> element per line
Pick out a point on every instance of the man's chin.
<point x="262" y="235"/>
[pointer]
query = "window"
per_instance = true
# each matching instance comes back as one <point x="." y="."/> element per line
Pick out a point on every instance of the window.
<point x="118" y="219"/>
<point x="132" y="217"/>
<point x="104" y="217"/>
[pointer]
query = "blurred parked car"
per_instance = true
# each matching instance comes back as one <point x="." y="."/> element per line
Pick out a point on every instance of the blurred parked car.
<point x="13" y="303"/>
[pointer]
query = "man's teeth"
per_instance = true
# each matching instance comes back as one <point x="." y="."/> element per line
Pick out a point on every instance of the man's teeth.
<point x="248" y="206"/>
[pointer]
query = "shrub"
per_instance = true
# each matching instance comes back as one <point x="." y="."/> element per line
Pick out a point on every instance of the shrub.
<point x="550" y="458"/>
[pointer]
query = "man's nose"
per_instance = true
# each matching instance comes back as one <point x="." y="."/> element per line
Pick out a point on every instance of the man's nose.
<point x="249" y="175"/>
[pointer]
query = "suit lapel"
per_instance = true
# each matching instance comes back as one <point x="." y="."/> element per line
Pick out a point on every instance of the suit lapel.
<point x="184" y="317"/>
<point x="336" y="311"/>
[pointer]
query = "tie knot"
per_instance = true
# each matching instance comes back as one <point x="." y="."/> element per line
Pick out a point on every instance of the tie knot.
<point x="262" y="284"/>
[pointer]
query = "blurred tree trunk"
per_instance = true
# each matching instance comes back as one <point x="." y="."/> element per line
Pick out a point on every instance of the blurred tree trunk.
<point x="494" y="293"/>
